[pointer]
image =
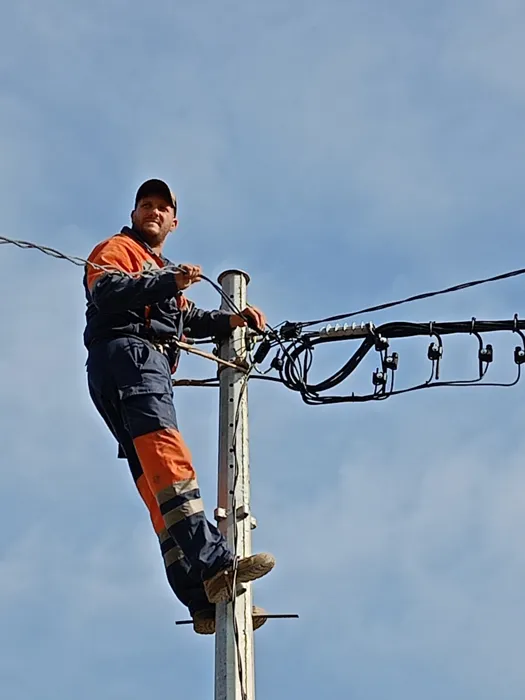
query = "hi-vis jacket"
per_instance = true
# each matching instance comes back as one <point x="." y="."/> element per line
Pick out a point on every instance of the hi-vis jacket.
<point x="149" y="306"/>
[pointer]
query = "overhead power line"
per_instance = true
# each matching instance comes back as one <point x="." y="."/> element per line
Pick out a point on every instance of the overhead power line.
<point x="75" y="260"/>
<point x="294" y="366"/>
<point x="295" y="345"/>
<point x="81" y="262"/>
<point x="415" y="297"/>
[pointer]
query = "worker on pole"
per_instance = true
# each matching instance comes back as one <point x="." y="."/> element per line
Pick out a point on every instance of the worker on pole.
<point x="135" y="309"/>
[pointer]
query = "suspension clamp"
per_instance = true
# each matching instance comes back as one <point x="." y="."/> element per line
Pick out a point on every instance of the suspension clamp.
<point x="391" y="362"/>
<point x="290" y="331"/>
<point x="435" y="352"/>
<point x="486" y="354"/>
<point x="519" y="355"/>
<point x="379" y="378"/>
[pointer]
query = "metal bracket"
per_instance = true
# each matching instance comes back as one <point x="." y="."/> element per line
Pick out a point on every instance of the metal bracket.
<point x="242" y="512"/>
<point x="267" y="616"/>
<point x="221" y="514"/>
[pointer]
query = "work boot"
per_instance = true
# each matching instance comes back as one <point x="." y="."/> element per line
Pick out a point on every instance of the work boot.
<point x="204" y="621"/>
<point x="219" y="587"/>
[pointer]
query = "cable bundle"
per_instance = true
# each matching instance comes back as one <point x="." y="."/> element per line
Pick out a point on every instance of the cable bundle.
<point x="295" y="356"/>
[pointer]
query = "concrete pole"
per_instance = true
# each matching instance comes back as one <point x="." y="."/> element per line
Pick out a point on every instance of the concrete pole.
<point x="234" y="650"/>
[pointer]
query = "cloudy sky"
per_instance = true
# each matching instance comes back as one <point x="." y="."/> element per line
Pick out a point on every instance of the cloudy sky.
<point x="344" y="153"/>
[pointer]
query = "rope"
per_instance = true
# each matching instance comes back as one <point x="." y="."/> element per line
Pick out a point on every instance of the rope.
<point x="212" y="382"/>
<point x="208" y="355"/>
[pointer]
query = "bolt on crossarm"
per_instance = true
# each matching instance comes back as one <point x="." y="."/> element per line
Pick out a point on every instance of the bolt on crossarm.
<point x="234" y="657"/>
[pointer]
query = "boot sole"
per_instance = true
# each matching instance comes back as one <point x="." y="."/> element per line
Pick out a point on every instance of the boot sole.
<point x="219" y="588"/>
<point x="207" y="626"/>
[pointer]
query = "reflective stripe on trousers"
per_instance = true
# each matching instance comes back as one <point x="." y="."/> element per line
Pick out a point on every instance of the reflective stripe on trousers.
<point x="130" y="385"/>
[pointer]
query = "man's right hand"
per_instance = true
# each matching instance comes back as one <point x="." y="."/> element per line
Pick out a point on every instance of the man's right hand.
<point x="188" y="275"/>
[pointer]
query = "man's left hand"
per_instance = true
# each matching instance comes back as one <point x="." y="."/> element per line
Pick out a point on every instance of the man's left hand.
<point x="256" y="319"/>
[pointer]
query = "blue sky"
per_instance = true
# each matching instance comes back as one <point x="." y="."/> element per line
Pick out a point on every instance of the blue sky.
<point x="344" y="154"/>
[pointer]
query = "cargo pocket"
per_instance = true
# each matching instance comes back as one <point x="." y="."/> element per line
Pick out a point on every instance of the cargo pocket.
<point x="139" y="369"/>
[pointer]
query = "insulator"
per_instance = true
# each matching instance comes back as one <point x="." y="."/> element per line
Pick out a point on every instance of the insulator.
<point x="358" y="330"/>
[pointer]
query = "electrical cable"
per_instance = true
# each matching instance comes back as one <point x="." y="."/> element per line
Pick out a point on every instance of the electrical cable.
<point x="301" y="354"/>
<point x="295" y="354"/>
<point x="416" y="297"/>
<point x="236" y="473"/>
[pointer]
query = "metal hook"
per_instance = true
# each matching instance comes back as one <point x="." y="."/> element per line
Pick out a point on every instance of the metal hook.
<point x="517" y="330"/>
<point x="481" y="351"/>
<point x="435" y="353"/>
<point x="519" y="353"/>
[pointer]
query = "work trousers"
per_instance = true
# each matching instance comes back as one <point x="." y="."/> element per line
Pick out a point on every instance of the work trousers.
<point x="130" y="384"/>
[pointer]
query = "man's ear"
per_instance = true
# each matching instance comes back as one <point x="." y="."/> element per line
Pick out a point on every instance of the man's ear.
<point x="174" y="224"/>
<point x="132" y="216"/>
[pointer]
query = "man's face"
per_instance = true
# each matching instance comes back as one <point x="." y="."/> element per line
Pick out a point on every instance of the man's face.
<point x="155" y="218"/>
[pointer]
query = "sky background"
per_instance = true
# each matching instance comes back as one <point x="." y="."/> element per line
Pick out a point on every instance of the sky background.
<point x="344" y="154"/>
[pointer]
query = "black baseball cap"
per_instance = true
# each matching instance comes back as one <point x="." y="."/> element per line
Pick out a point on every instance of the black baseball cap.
<point x="159" y="187"/>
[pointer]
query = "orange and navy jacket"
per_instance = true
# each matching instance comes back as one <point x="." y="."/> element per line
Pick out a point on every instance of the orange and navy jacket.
<point x="149" y="306"/>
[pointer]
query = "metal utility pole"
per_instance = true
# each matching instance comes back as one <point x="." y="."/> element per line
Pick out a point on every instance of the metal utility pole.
<point x="234" y="657"/>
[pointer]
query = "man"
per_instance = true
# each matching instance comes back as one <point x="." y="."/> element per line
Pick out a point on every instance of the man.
<point x="134" y="307"/>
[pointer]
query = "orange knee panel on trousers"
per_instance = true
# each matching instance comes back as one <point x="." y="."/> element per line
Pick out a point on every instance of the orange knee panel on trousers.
<point x="164" y="457"/>
<point x="151" y="504"/>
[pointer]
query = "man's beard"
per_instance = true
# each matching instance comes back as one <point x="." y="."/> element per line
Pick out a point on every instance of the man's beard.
<point x="152" y="238"/>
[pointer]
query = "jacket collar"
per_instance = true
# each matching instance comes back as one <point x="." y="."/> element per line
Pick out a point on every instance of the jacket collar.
<point x="137" y="236"/>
